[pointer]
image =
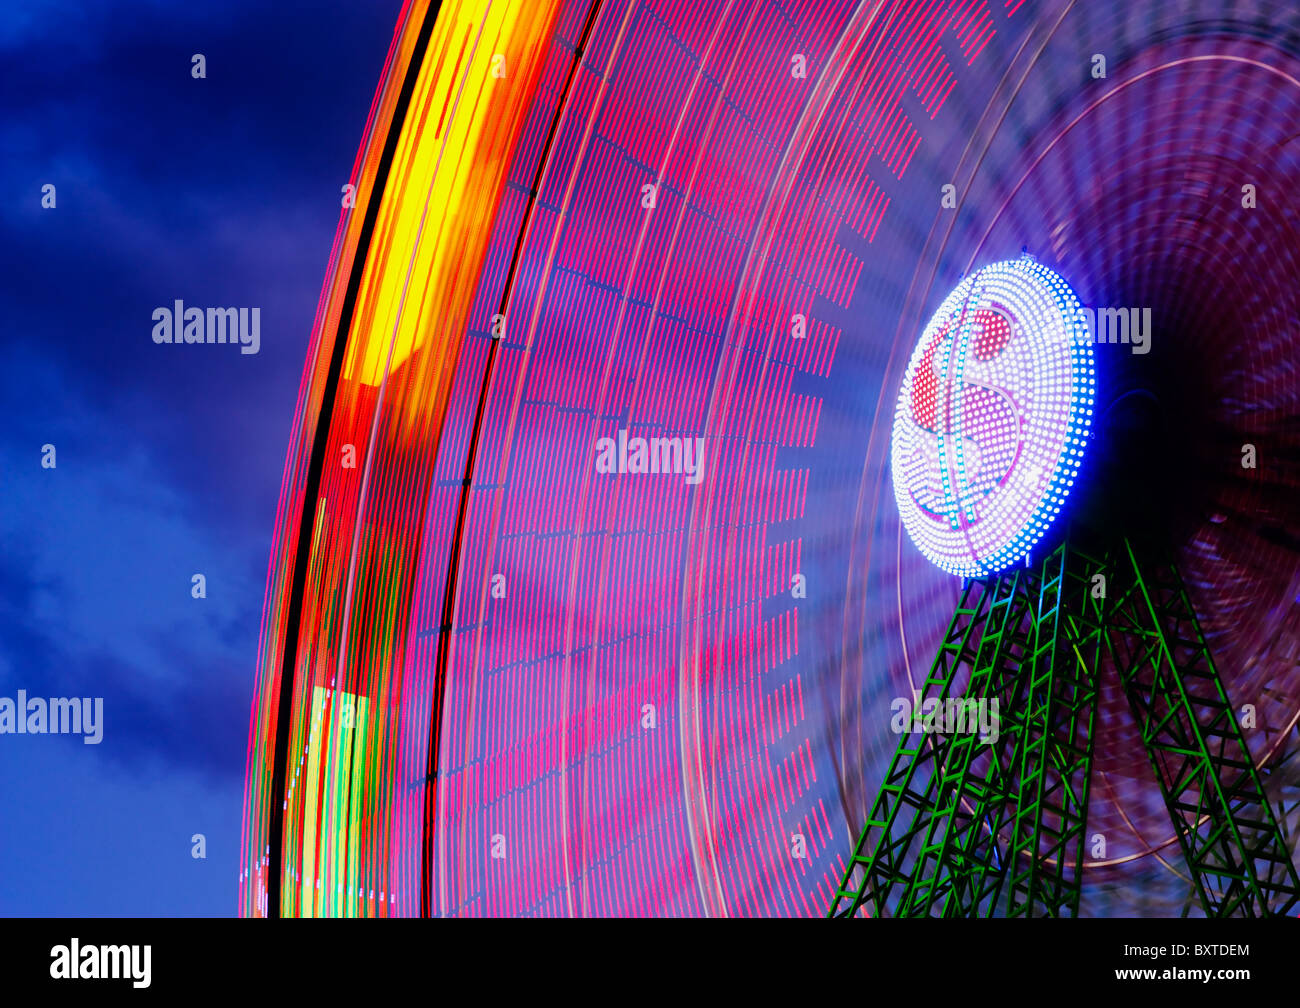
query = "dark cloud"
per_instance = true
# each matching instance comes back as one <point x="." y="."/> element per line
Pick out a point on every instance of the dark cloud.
<point x="222" y="191"/>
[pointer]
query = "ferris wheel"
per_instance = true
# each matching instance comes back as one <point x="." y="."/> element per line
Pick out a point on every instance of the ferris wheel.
<point x="699" y="391"/>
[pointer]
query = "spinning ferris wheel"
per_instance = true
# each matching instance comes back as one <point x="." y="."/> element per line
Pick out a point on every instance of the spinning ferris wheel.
<point x="498" y="676"/>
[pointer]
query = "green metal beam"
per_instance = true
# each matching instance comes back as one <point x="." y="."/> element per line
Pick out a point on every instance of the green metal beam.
<point x="884" y="852"/>
<point x="975" y="778"/>
<point x="1230" y="839"/>
<point x="962" y="827"/>
<point x="1056" y="753"/>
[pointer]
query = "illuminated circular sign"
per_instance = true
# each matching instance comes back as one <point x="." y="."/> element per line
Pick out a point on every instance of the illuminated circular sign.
<point x="993" y="418"/>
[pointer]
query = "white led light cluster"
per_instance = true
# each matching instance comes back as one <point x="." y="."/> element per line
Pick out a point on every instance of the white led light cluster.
<point x="993" y="418"/>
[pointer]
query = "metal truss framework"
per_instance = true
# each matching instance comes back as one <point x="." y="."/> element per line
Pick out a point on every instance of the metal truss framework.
<point x="965" y="826"/>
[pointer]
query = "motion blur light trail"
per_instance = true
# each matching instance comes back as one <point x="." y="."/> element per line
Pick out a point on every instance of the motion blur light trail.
<point x="496" y="681"/>
<point x="370" y="416"/>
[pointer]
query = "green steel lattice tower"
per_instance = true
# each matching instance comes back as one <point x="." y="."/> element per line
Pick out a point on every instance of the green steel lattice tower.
<point x="965" y="828"/>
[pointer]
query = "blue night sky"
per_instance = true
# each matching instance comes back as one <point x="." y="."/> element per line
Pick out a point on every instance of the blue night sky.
<point x="223" y="191"/>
